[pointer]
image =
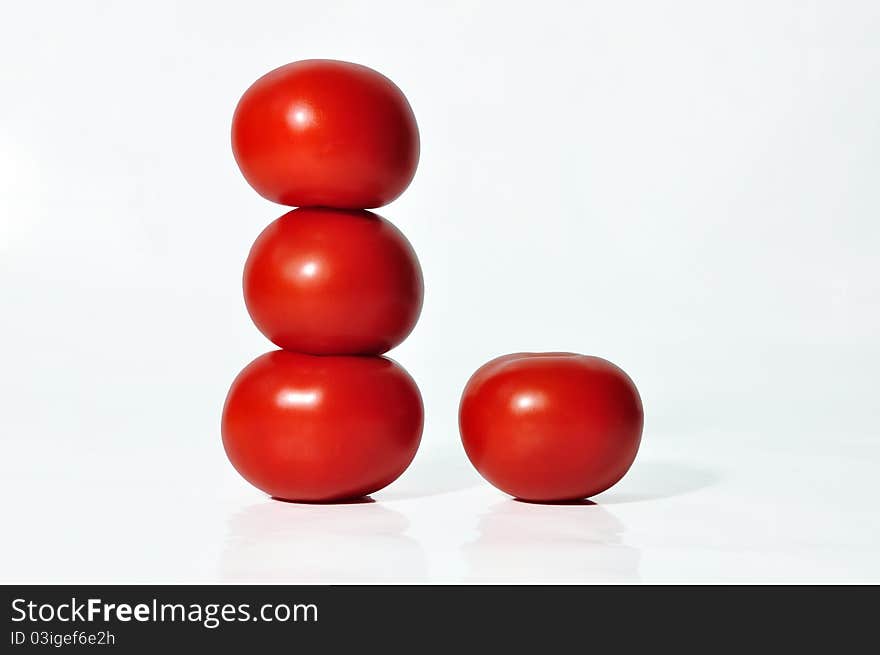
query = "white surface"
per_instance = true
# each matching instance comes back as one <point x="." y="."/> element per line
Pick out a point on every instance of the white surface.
<point x="688" y="190"/>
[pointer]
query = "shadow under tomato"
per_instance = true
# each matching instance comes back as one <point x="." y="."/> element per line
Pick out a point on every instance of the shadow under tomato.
<point x="433" y="474"/>
<point x="584" y="502"/>
<point x="657" y="479"/>
<point x="361" y="500"/>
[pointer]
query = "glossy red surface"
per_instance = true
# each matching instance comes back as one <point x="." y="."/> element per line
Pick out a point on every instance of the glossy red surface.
<point x="551" y="426"/>
<point x="326" y="133"/>
<point x="319" y="429"/>
<point x="333" y="282"/>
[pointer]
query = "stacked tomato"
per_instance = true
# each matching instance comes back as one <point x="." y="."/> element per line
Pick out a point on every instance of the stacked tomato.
<point x="335" y="286"/>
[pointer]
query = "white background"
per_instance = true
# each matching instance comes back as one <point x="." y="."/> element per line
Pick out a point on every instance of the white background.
<point x="689" y="189"/>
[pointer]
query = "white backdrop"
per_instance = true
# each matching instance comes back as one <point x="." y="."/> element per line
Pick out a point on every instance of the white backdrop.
<point x="689" y="189"/>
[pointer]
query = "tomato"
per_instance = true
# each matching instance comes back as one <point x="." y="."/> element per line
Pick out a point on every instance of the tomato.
<point x="326" y="133"/>
<point x="551" y="426"/>
<point x="318" y="429"/>
<point x="333" y="282"/>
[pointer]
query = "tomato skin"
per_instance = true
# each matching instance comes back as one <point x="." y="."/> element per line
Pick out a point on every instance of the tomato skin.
<point x="551" y="426"/>
<point x="321" y="429"/>
<point x="333" y="282"/>
<point x="325" y="133"/>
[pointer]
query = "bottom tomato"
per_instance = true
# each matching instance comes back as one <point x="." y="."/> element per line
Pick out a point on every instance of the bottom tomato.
<point x="321" y="428"/>
<point x="551" y="426"/>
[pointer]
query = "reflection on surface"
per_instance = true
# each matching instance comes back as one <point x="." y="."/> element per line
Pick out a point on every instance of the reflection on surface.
<point x="566" y="543"/>
<point x="312" y="544"/>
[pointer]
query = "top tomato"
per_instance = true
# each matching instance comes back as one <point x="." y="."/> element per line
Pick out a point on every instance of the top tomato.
<point x="324" y="133"/>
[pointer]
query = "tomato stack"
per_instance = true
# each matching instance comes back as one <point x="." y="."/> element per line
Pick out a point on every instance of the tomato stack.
<point x="326" y="418"/>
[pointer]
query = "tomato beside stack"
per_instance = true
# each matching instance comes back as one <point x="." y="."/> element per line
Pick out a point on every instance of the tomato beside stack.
<point x="550" y="427"/>
<point x="326" y="418"/>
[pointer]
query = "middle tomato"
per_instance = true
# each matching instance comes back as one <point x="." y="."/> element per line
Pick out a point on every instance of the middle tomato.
<point x="333" y="282"/>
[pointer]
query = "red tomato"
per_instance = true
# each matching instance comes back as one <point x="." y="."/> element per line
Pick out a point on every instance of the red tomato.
<point x="319" y="429"/>
<point x="551" y="426"/>
<point x="326" y="133"/>
<point x="333" y="282"/>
